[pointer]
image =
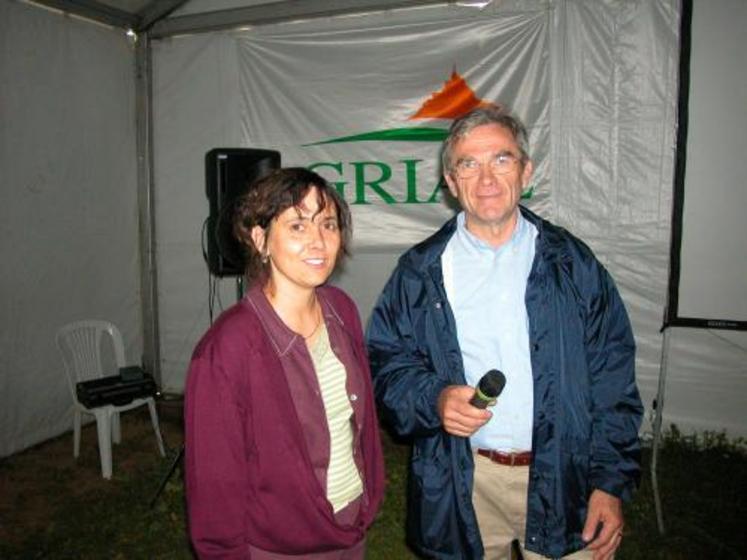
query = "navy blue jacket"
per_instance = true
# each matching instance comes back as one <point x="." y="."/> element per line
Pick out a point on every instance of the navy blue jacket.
<point x="587" y="410"/>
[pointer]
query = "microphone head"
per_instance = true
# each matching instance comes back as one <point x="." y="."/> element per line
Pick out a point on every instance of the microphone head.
<point x="491" y="384"/>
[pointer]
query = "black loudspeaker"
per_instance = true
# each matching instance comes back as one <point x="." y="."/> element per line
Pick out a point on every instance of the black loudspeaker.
<point x="228" y="174"/>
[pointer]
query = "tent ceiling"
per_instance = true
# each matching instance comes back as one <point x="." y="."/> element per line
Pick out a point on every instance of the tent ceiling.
<point x="163" y="18"/>
<point x="129" y="14"/>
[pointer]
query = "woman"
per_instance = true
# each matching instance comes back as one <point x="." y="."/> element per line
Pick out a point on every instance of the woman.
<point x="283" y="457"/>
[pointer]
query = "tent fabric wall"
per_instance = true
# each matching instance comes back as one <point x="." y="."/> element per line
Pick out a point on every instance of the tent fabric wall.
<point x="68" y="206"/>
<point x="195" y="108"/>
<point x="598" y="93"/>
<point x="614" y="125"/>
<point x="604" y="138"/>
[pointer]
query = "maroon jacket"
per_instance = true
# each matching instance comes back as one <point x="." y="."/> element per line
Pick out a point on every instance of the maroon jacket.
<point x="257" y="443"/>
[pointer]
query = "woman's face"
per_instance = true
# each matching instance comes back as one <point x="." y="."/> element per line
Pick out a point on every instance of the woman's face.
<point x="302" y="244"/>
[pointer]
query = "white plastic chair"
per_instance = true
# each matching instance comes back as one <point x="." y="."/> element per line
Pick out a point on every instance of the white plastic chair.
<point x="80" y="344"/>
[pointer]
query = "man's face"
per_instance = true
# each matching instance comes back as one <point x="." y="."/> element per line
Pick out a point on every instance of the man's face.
<point x="491" y="194"/>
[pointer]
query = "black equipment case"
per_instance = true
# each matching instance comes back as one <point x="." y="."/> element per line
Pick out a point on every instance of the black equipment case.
<point x="131" y="383"/>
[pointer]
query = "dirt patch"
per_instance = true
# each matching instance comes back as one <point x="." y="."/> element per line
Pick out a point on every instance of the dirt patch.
<point x="36" y="482"/>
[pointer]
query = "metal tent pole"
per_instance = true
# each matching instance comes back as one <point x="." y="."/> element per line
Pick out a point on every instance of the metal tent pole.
<point x="146" y="210"/>
<point x="659" y="412"/>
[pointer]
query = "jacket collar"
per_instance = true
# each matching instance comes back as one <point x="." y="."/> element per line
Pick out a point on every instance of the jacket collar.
<point x="280" y="335"/>
<point x="428" y="252"/>
<point x="550" y="243"/>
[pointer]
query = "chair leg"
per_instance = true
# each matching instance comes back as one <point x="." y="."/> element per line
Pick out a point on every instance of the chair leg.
<point x="76" y="433"/>
<point x="104" y="429"/>
<point x="116" y="428"/>
<point x="156" y="427"/>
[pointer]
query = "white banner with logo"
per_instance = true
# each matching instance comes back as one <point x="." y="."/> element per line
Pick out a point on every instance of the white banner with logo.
<point x="367" y="102"/>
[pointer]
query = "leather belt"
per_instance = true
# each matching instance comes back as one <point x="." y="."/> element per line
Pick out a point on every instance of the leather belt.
<point x="521" y="459"/>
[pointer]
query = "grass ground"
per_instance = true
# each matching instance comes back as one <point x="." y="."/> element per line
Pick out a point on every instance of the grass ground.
<point x="52" y="506"/>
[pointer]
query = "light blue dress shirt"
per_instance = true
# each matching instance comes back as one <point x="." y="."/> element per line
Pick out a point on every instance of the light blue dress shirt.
<point x="486" y="286"/>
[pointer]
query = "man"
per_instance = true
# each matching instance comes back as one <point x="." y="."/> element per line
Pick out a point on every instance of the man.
<point x="499" y="287"/>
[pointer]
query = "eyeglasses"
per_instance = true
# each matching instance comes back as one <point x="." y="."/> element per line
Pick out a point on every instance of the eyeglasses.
<point x="500" y="164"/>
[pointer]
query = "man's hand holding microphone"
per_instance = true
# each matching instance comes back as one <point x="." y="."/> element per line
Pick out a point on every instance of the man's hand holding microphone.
<point x="463" y="409"/>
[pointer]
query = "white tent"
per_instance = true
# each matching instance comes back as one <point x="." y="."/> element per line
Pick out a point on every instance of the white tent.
<point x="104" y="135"/>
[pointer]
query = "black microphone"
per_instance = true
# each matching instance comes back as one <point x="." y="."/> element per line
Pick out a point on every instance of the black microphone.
<point x="490" y="386"/>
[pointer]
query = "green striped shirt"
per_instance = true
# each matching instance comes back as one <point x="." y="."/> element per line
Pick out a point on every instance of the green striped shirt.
<point x="343" y="480"/>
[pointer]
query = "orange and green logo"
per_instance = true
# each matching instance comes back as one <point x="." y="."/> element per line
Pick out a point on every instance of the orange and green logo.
<point x="373" y="177"/>
<point x="455" y="99"/>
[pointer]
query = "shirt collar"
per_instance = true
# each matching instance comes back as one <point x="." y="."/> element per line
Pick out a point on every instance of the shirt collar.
<point x="281" y="336"/>
<point x="474" y="244"/>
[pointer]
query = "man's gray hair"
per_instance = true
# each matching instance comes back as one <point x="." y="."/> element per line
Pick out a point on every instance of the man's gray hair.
<point x="490" y="114"/>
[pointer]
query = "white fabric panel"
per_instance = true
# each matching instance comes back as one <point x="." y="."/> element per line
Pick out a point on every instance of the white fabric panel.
<point x="68" y="206"/>
<point x="363" y="276"/>
<point x="706" y="383"/>
<point x="615" y="82"/>
<point x="196" y="98"/>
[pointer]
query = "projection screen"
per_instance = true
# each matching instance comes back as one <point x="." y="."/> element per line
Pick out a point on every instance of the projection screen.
<point x="708" y="277"/>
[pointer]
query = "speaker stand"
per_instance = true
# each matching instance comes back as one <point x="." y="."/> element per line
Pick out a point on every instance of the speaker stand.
<point x="178" y="457"/>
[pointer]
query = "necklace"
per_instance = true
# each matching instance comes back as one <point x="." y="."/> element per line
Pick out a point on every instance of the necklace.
<point x="316" y="327"/>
